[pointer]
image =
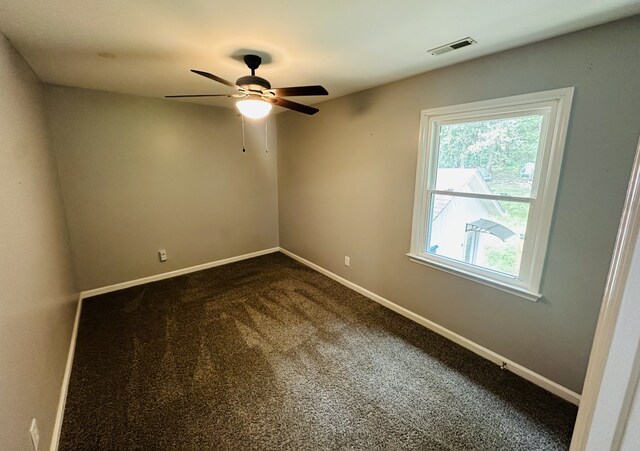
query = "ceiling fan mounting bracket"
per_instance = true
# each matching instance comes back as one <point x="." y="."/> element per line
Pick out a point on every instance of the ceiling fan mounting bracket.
<point x="252" y="62"/>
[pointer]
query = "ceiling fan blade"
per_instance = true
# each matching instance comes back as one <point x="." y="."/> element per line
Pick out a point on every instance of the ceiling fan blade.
<point x="215" y="78"/>
<point x="293" y="105"/>
<point x="315" y="90"/>
<point x="200" y="95"/>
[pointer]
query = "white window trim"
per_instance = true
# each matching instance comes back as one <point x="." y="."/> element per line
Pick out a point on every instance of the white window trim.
<point x="527" y="284"/>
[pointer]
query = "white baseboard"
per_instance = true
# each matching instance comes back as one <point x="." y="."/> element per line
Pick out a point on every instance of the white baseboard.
<point x="57" y="428"/>
<point x="494" y="357"/>
<point x="177" y="272"/>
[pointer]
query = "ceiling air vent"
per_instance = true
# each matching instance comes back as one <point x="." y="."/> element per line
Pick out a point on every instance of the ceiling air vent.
<point x="455" y="45"/>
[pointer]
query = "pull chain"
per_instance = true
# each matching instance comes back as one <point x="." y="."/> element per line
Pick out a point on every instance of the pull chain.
<point x="266" y="136"/>
<point x="243" y="149"/>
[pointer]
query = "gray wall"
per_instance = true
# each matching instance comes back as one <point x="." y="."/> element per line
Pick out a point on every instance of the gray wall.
<point x="142" y="174"/>
<point x="37" y="297"/>
<point x="346" y="181"/>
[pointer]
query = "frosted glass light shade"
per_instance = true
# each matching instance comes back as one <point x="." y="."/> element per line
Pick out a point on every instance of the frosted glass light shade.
<point x="254" y="109"/>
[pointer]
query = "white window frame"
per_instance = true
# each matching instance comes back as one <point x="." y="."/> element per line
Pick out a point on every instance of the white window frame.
<point x="555" y="107"/>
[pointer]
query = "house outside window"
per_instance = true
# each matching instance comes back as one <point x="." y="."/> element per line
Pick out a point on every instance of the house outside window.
<point x="486" y="184"/>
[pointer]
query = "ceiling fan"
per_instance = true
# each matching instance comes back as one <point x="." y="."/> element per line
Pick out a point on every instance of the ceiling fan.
<point x="256" y="94"/>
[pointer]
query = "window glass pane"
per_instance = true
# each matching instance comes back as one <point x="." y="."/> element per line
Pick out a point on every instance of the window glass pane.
<point x="495" y="156"/>
<point x="484" y="233"/>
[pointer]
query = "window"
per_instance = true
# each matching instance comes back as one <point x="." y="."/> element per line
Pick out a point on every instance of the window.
<point x="486" y="185"/>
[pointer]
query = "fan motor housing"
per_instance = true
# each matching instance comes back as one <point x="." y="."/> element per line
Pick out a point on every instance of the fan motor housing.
<point x="253" y="82"/>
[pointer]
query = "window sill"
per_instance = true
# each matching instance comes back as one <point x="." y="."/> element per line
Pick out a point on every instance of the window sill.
<point x="511" y="289"/>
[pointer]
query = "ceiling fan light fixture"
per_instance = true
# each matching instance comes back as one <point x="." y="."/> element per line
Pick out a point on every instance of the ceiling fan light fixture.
<point x="253" y="108"/>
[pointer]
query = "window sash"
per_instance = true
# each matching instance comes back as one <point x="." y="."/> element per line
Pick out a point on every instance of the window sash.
<point x="525" y="266"/>
<point x="544" y="109"/>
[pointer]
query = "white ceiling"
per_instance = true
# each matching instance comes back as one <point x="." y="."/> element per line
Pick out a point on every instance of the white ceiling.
<point x="147" y="47"/>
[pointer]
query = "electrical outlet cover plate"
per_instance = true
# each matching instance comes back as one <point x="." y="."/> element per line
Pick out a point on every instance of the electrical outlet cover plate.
<point x="347" y="261"/>
<point x="162" y="255"/>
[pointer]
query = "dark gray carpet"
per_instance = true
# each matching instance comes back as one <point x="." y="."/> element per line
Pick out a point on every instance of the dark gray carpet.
<point x="268" y="354"/>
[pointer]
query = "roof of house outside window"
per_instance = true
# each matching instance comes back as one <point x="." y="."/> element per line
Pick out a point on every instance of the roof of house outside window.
<point x="461" y="179"/>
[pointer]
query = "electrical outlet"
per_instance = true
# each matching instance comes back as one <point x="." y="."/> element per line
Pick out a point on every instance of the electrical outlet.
<point x="347" y="261"/>
<point x="35" y="434"/>
<point x="162" y="255"/>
